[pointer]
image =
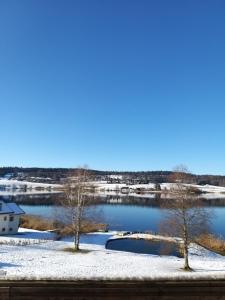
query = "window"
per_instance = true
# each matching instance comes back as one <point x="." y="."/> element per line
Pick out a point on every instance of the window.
<point x="5" y="218"/>
<point x="3" y="229"/>
<point x="11" y="218"/>
<point x="10" y="229"/>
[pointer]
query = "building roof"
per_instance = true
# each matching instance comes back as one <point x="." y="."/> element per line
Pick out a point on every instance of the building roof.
<point x="10" y="208"/>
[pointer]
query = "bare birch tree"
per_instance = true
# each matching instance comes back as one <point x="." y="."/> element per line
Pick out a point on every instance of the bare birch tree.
<point x="75" y="202"/>
<point x="185" y="216"/>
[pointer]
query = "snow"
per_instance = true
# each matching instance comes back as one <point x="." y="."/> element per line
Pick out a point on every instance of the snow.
<point x="117" y="186"/>
<point x="210" y="188"/>
<point x="10" y="208"/>
<point x="47" y="260"/>
<point x="14" y="184"/>
<point x="116" y="176"/>
<point x="33" y="234"/>
<point x="14" y="208"/>
<point x="102" y="186"/>
<point x="146" y="236"/>
<point x="27" y="236"/>
<point x="15" y="187"/>
<point x="5" y="208"/>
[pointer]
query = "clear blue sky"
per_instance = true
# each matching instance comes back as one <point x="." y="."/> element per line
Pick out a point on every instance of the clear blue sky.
<point x="116" y="84"/>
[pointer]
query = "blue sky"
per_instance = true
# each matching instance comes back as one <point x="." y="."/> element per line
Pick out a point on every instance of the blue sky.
<point x="115" y="84"/>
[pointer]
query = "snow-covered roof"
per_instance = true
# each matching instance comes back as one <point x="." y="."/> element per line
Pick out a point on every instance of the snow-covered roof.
<point x="10" y="208"/>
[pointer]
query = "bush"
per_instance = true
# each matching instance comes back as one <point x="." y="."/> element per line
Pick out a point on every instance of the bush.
<point x="36" y="223"/>
<point x="86" y="227"/>
<point x="212" y="242"/>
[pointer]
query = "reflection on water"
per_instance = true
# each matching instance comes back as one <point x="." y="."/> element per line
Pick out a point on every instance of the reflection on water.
<point x="153" y="200"/>
<point x="33" y="199"/>
<point x="129" y="213"/>
<point x="144" y="246"/>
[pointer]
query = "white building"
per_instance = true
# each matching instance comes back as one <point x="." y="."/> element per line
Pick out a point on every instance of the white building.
<point x="9" y="217"/>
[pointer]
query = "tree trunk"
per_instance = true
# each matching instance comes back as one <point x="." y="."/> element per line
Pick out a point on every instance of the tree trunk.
<point x="76" y="240"/>
<point x="186" y="261"/>
<point x="77" y="232"/>
<point x="185" y="238"/>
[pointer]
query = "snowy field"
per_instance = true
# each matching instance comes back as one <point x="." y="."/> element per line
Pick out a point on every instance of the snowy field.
<point x="16" y="184"/>
<point x="102" y="186"/>
<point x="47" y="260"/>
<point x="15" y="187"/>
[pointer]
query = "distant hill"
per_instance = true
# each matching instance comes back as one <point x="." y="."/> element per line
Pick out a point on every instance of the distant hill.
<point x="56" y="175"/>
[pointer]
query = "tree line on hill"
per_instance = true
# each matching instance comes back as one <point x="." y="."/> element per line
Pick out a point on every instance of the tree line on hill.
<point x="56" y="175"/>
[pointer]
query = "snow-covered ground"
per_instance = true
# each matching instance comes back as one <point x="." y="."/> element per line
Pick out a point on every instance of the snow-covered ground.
<point x="165" y="187"/>
<point x="101" y="186"/>
<point x="16" y="184"/>
<point x="15" y="187"/>
<point x="48" y="260"/>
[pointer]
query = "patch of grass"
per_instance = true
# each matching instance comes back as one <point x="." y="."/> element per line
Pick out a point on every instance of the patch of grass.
<point x="43" y="224"/>
<point x="187" y="270"/>
<point x="212" y="242"/>
<point x="86" y="226"/>
<point x="36" y="223"/>
<point x="72" y="250"/>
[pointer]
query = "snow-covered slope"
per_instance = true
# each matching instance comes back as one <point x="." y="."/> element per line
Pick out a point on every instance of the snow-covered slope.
<point x="165" y="187"/>
<point x="48" y="260"/>
<point x="15" y="184"/>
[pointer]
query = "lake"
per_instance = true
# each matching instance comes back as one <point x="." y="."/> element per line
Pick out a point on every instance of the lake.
<point x="131" y="213"/>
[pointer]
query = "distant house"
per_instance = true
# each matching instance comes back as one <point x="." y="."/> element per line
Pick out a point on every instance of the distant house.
<point x="125" y="190"/>
<point x="9" y="217"/>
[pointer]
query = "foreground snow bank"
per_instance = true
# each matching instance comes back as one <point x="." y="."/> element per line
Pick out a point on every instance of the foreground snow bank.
<point x="49" y="261"/>
<point x="27" y="236"/>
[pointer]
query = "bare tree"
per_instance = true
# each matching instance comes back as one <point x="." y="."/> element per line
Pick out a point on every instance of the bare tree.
<point x="75" y="201"/>
<point x="185" y="216"/>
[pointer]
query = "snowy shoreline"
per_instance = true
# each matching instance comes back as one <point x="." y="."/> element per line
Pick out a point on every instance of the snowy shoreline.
<point x="48" y="260"/>
<point x="165" y="188"/>
<point x="102" y="187"/>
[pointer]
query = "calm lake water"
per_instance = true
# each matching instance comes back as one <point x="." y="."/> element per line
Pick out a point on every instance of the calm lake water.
<point x="133" y="215"/>
<point x="144" y="246"/>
